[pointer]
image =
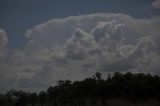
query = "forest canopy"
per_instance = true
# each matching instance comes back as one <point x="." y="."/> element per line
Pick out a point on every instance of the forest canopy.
<point x="128" y="86"/>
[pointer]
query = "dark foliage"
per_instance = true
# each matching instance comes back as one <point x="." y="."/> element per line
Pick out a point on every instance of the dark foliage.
<point x="128" y="86"/>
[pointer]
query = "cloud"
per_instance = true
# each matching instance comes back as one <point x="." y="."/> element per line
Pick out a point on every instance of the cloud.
<point x="38" y="35"/>
<point x="3" y="39"/>
<point x="3" y="43"/>
<point x="76" y="47"/>
<point x="156" y="4"/>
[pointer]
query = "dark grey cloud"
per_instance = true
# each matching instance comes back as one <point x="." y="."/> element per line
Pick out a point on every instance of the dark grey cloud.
<point x="156" y="4"/>
<point x="90" y="43"/>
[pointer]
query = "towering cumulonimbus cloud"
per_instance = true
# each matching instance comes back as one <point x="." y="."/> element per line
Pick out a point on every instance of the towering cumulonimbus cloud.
<point x="78" y="46"/>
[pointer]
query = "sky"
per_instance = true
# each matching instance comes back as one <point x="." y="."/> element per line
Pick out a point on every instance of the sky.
<point x="43" y="41"/>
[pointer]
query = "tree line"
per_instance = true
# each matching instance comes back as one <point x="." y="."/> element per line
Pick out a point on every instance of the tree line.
<point x="93" y="91"/>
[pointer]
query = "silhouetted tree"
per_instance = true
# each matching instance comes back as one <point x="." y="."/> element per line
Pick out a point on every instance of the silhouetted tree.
<point x="42" y="97"/>
<point x="94" y="90"/>
<point x="33" y="99"/>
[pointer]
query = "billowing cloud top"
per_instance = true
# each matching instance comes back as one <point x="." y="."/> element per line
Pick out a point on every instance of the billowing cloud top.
<point x="78" y="46"/>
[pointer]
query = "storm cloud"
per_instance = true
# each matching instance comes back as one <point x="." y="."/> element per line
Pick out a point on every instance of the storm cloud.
<point x="78" y="46"/>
